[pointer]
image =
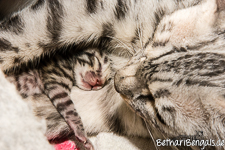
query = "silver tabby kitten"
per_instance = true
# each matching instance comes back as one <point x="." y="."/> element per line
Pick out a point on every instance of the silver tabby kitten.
<point x="55" y="79"/>
<point x="101" y="110"/>
<point x="178" y="86"/>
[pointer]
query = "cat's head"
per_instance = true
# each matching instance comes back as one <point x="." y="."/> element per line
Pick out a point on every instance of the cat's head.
<point x="92" y="69"/>
<point x="198" y="28"/>
<point x="189" y="29"/>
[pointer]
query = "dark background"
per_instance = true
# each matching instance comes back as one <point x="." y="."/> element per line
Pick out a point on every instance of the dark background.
<point x="7" y="7"/>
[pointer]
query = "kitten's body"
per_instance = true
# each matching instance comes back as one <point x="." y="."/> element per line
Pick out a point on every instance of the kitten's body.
<point x="108" y="111"/>
<point x="88" y="70"/>
<point x="103" y="110"/>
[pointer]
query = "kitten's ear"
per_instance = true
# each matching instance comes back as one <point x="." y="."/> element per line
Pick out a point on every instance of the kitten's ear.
<point x="220" y="5"/>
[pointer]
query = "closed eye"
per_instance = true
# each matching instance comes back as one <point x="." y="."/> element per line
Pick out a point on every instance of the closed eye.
<point x="148" y="97"/>
<point x="106" y="59"/>
<point x="159" y="116"/>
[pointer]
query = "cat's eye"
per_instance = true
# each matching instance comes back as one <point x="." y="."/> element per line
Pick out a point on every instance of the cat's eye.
<point x="105" y="59"/>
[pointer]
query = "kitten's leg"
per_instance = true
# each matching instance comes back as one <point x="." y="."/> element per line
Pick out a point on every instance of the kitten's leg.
<point x="64" y="105"/>
<point x="57" y="128"/>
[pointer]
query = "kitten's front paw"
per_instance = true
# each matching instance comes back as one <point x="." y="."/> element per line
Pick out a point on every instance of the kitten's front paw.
<point x="82" y="138"/>
<point x="88" y="145"/>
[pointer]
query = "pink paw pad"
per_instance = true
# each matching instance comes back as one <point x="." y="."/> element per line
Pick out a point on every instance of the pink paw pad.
<point x="67" y="145"/>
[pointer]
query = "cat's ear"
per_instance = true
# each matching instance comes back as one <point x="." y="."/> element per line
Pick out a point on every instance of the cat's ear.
<point x="214" y="6"/>
<point x="220" y="5"/>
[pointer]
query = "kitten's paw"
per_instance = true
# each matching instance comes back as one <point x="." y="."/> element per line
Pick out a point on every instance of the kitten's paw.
<point x="88" y="145"/>
<point x="82" y="138"/>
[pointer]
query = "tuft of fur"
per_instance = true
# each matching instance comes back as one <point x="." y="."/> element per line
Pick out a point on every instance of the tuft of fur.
<point x="19" y="128"/>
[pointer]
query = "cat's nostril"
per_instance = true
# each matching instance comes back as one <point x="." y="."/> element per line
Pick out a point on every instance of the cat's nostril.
<point x="121" y="78"/>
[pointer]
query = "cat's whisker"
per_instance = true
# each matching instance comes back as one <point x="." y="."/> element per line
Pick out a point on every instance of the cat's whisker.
<point x="140" y="36"/>
<point x="150" y="133"/>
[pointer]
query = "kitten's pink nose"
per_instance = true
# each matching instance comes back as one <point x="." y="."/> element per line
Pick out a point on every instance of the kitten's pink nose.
<point x="93" y="80"/>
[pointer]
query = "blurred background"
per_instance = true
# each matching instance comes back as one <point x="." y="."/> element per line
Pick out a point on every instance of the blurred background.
<point x="7" y="7"/>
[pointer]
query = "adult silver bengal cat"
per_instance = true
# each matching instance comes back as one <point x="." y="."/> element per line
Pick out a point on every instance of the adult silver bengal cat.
<point x="162" y="30"/>
<point x="179" y="85"/>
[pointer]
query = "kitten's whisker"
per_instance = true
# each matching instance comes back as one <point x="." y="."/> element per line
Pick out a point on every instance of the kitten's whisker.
<point x="131" y="51"/>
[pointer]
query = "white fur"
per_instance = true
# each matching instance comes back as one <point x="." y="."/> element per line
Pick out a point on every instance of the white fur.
<point x="18" y="128"/>
<point x="95" y="106"/>
<point x="110" y="141"/>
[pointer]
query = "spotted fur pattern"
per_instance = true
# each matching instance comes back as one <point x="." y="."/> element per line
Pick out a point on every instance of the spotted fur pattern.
<point x="178" y="83"/>
<point x="55" y="79"/>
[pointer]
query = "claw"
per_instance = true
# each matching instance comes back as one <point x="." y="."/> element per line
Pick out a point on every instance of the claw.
<point x="87" y="143"/>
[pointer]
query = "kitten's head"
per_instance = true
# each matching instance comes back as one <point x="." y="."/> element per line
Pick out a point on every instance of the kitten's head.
<point x="199" y="28"/>
<point x="92" y="69"/>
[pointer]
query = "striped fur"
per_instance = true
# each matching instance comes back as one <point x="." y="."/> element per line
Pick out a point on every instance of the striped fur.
<point x="87" y="70"/>
<point x="46" y="26"/>
<point x="101" y="110"/>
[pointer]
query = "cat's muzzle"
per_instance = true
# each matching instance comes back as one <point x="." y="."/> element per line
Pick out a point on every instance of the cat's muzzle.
<point x="127" y="82"/>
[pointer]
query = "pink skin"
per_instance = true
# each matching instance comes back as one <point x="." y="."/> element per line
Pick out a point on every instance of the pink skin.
<point x="91" y="81"/>
<point x="70" y="145"/>
<point x="67" y="145"/>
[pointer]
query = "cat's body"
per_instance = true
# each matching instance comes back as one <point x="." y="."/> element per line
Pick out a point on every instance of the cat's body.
<point x="178" y="86"/>
<point x="88" y="70"/>
<point x="46" y="26"/>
